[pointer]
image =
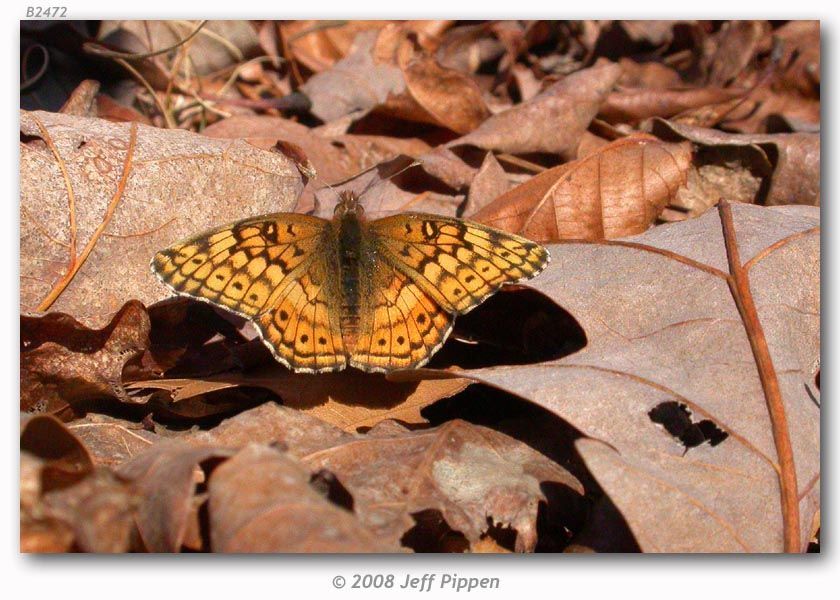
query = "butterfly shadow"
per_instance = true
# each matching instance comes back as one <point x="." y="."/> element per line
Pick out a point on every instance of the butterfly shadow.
<point x="218" y="354"/>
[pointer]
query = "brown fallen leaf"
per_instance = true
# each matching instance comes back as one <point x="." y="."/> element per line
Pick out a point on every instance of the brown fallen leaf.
<point x="800" y="56"/>
<point x="634" y="105"/>
<point x="166" y="477"/>
<point x="397" y="185"/>
<point x="473" y="476"/>
<point x="793" y="160"/>
<point x="318" y="45"/>
<point x="618" y="190"/>
<point x="663" y="327"/>
<point x="63" y="362"/>
<point x="64" y="459"/>
<point x="98" y="199"/>
<point x="262" y="501"/>
<point x="553" y="121"/>
<point x="93" y="515"/>
<point x="82" y="100"/>
<point x="335" y="158"/>
<point x="335" y="92"/>
<point x="293" y="430"/>
<point x="39" y="532"/>
<point x="349" y="400"/>
<point x="736" y="45"/>
<point x="112" y="441"/>
<point x="647" y="75"/>
<point x="401" y="82"/>
<point x="263" y="131"/>
<point x="766" y="103"/>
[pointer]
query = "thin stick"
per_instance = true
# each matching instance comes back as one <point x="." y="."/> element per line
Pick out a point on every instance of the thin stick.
<point x="521" y="162"/>
<point x="77" y="264"/>
<point x="170" y="123"/>
<point x="71" y="196"/>
<point x="99" y="50"/>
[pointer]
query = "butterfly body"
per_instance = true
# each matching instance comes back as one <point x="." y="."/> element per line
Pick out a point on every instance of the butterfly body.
<point x="377" y="295"/>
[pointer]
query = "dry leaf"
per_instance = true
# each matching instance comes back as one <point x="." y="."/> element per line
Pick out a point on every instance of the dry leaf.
<point x="474" y="477"/>
<point x="112" y="441"/>
<point x="262" y="501"/>
<point x="219" y="44"/>
<point x="166" y="478"/>
<point x="63" y="362"/>
<point x="135" y="189"/>
<point x="634" y="105"/>
<point x="400" y="82"/>
<point x="618" y="190"/>
<point x="271" y="424"/>
<point x="349" y="400"/>
<point x="553" y="121"/>
<point x="793" y="160"/>
<point x="662" y="326"/>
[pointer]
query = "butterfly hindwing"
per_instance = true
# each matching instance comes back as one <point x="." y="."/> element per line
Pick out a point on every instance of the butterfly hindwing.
<point x="400" y="326"/>
<point x="457" y="263"/>
<point x="302" y="325"/>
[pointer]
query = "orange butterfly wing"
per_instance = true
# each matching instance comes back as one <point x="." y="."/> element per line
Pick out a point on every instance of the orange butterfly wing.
<point x="456" y="262"/>
<point x="275" y="270"/>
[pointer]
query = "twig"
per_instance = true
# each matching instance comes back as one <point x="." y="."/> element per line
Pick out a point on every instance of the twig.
<point x="77" y="264"/>
<point x="24" y="67"/>
<point x="99" y="50"/>
<point x="521" y="162"/>
<point x="319" y="26"/>
<point x="71" y="196"/>
<point x="170" y="123"/>
<point x="739" y="286"/>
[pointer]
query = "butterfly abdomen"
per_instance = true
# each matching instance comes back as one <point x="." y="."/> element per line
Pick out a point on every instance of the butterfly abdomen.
<point x="350" y="259"/>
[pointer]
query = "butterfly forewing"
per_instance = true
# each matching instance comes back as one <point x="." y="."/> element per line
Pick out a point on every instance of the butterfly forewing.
<point x="458" y="263"/>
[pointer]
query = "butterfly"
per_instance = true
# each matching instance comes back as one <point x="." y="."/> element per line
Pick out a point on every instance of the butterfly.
<point x="377" y="295"/>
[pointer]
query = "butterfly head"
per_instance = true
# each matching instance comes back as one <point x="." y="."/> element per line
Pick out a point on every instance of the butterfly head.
<point x="348" y="204"/>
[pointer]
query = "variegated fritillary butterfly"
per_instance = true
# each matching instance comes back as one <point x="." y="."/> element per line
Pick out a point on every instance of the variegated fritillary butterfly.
<point x="379" y="295"/>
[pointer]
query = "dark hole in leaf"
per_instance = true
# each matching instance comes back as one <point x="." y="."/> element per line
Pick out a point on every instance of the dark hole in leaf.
<point x="431" y="533"/>
<point x="328" y="485"/>
<point x="676" y="419"/>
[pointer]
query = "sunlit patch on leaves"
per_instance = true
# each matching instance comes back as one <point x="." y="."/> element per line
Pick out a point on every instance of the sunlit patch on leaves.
<point x="675" y="417"/>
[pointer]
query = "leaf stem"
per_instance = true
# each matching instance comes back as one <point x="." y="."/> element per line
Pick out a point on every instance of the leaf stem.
<point x="739" y="286"/>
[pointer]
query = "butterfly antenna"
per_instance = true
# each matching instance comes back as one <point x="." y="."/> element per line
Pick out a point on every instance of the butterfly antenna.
<point x="374" y="182"/>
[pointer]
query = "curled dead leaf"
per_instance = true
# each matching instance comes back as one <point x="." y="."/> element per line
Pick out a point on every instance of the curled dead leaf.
<point x="471" y="475"/>
<point x="64" y="363"/>
<point x="262" y="501"/>
<point x="617" y="190"/>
